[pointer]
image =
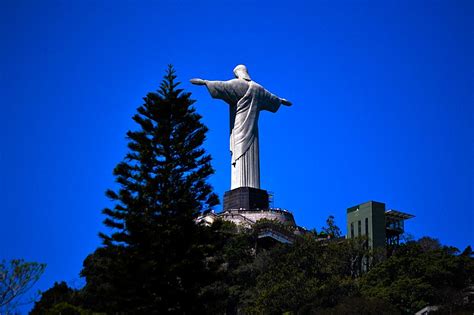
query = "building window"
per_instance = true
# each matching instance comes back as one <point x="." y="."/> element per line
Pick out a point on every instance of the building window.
<point x="367" y="226"/>
<point x="352" y="230"/>
<point x="359" y="228"/>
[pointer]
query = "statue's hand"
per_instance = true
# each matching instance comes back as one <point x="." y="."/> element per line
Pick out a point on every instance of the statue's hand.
<point x="198" y="81"/>
<point x="285" y="102"/>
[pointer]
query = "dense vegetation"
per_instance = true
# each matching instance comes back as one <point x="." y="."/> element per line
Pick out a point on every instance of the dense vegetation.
<point x="310" y="277"/>
<point x="157" y="260"/>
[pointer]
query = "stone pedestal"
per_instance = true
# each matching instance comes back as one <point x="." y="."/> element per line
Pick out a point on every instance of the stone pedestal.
<point x="246" y="198"/>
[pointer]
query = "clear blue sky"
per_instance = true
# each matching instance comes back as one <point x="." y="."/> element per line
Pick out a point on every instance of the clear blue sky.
<point x="382" y="94"/>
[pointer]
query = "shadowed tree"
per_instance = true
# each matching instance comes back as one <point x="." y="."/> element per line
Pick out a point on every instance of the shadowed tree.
<point x="331" y="228"/>
<point x="419" y="274"/>
<point x="59" y="299"/>
<point x="154" y="260"/>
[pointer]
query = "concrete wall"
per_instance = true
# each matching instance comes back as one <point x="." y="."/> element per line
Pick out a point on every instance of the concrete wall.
<point x="374" y="212"/>
<point x="235" y="216"/>
<point x="247" y="218"/>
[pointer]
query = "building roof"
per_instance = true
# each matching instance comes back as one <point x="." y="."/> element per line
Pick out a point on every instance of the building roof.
<point x="394" y="215"/>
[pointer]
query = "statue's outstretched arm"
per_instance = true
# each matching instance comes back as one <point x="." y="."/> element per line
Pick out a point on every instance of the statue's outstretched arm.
<point x="223" y="90"/>
<point x="198" y="81"/>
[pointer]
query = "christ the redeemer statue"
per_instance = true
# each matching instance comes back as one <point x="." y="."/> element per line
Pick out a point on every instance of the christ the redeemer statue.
<point x="246" y="99"/>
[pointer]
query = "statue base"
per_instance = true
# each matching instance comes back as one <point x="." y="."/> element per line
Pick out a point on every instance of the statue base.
<point x="246" y="198"/>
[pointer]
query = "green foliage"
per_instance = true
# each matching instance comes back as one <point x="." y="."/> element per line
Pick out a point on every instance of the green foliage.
<point x="58" y="293"/>
<point x="108" y="275"/>
<point x="311" y="276"/>
<point x="304" y="276"/>
<point x="232" y="256"/>
<point x="65" y="308"/>
<point x="163" y="177"/>
<point x="429" y="244"/>
<point x="273" y="224"/>
<point x="348" y="256"/>
<point x="417" y="275"/>
<point x="327" y="277"/>
<point x="16" y="278"/>
<point x="358" y="305"/>
<point x="154" y="260"/>
<point x="331" y="228"/>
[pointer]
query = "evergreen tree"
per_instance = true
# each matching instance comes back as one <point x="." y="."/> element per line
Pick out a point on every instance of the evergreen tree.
<point x="154" y="261"/>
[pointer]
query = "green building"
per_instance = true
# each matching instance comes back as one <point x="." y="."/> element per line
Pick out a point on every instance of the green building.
<point x="382" y="228"/>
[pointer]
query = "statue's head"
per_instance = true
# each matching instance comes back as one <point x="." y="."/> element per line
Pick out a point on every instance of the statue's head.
<point x="241" y="72"/>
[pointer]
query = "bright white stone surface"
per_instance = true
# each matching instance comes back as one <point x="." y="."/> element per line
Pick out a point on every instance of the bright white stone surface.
<point x="246" y="99"/>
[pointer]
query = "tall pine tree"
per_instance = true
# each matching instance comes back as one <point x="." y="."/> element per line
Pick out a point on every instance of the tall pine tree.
<point x="154" y="260"/>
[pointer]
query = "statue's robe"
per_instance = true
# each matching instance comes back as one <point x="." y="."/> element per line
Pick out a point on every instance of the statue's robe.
<point x="246" y="100"/>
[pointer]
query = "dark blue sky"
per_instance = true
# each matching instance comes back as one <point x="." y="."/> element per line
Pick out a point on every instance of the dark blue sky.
<point x="382" y="93"/>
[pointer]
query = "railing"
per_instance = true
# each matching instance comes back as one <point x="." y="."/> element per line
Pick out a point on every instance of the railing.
<point x="273" y="233"/>
<point x="249" y="221"/>
<point x="260" y="210"/>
